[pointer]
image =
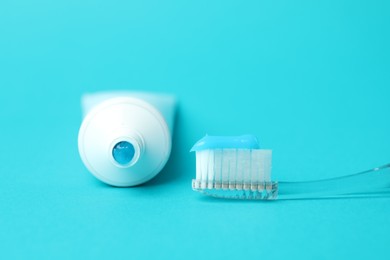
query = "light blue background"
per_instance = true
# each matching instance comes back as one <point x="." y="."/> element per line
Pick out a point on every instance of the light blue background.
<point x="309" y="78"/>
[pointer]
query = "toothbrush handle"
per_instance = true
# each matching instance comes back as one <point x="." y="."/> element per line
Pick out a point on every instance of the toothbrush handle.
<point x="375" y="182"/>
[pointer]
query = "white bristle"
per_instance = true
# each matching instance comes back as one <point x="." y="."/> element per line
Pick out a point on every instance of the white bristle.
<point x="218" y="157"/>
<point x="198" y="169"/>
<point x="226" y="164"/>
<point x="204" y="163"/>
<point x="210" y="168"/>
<point x="233" y="168"/>
<point x="267" y="166"/>
<point x="256" y="171"/>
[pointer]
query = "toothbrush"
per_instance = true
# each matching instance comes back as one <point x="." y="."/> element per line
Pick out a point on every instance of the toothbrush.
<point x="236" y="168"/>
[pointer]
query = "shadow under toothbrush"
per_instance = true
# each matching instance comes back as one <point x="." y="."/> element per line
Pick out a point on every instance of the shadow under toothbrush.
<point x="210" y="199"/>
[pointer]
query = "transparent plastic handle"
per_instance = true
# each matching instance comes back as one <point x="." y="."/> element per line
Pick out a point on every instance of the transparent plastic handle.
<point x="374" y="182"/>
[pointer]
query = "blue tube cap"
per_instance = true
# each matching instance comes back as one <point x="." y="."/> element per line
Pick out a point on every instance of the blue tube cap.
<point x="123" y="152"/>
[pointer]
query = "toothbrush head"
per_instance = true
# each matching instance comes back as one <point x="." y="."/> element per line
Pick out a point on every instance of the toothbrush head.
<point x="233" y="167"/>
